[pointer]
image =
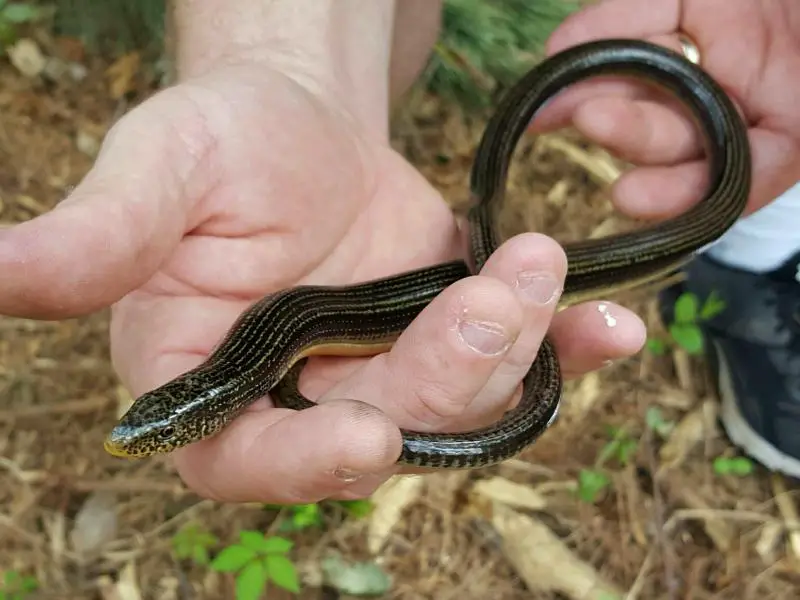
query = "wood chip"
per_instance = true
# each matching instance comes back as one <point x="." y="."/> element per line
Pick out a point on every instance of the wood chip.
<point x="544" y="562"/>
<point x="390" y="500"/>
<point x="510" y="493"/>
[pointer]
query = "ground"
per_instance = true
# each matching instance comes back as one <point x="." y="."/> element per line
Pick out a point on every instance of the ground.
<point x="87" y="525"/>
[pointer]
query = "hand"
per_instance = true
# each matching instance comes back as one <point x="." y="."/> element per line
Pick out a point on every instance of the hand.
<point x="240" y="182"/>
<point x="751" y="47"/>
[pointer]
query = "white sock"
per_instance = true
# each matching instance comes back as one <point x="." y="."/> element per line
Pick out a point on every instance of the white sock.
<point x="765" y="239"/>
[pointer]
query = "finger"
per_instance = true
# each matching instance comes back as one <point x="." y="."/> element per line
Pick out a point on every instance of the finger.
<point x="117" y="226"/>
<point x="616" y="19"/>
<point x="663" y="192"/>
<point x="285" y="457"/>
<point x="534" y="266"/>
<point x="559" y="112"/>
<point x="430" y="378"/>
<point x="591" y="335"/>
<point x="643" y="132"/>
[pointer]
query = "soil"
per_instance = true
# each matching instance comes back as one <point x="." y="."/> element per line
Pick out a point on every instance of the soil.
<point x="87" y="525"/>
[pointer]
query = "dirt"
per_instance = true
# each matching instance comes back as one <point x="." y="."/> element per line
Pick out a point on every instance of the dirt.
<point x="667" y="526"/>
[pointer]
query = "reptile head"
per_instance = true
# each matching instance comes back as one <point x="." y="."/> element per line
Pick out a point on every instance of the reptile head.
<point x="176" y="414"/>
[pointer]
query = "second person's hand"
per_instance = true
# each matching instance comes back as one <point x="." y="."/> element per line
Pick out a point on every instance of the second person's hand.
<point x="750" y="46"/>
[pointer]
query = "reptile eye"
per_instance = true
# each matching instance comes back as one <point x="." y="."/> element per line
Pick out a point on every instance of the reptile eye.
<point x="167" y="432"/>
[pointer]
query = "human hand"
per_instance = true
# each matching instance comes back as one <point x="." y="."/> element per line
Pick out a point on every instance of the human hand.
<point x="750" y="47"/>
<point x="240" y="181"/>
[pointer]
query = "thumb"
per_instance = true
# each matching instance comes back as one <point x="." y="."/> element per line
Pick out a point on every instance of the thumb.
<point x="112" y="233"/>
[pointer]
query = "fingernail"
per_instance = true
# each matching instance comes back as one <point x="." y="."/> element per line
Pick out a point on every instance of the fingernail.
<point x="347" y="475"/>
<point x="540" y="287"/>
<point x="483" y="337"/>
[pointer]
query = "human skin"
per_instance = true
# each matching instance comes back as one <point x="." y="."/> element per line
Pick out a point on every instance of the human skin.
<point x="268" y="165"/>
<point x="752" y="48"/>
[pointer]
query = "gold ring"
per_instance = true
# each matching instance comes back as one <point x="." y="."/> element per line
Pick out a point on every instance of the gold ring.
<point x="689" y="48"/>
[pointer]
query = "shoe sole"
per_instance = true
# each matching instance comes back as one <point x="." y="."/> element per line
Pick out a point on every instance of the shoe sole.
<point x="740" y="432"/>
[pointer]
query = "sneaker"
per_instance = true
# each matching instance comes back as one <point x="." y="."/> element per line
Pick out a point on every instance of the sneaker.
<point x="753" y="347"/>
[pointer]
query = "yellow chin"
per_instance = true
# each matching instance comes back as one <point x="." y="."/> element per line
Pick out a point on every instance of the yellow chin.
<point x="115" y="450"/>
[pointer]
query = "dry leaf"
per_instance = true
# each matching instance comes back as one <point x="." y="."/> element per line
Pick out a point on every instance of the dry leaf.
<point x="95" y="524"/>
<point x="389" y="501"/>
<point x="27" y="58"/>
<point x="768" y="541"/>
<point x="87" y="143"/>
<point x="544" y="562"/>
<point x="583" y="398"/>
<point x="125" y="588"/>
<point x="502" y="490"/>
<point x="690" y="431"/>
<point x="672" y="397"/>
<point x="31" y="204"/>
<point x="71" y="49"/>
<point x="124" y="400"/>
<point x="122" y="75"/>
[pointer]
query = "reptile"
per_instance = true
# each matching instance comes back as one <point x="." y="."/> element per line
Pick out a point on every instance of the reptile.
<point x="267" y="347"/>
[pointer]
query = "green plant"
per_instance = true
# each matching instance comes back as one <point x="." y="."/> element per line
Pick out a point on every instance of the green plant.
<point x="116" y="26"/>
<point x="14" y="14"/>
<point x="483" y="45"/>
<point x="488" y="45"/>
<point x="356" y="508"/>
<point x="193" y="543"/>
<point x="685" y="331"/>
<point x="16" y="586"/>
<point x="655" y="421"/>
<point x="738" y="466"/>
<point x="591" y="482"/>
<point x="303" y="516"/>
<point x="256" y="560"/>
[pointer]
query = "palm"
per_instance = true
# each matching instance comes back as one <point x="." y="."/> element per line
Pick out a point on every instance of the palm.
<point x="260" y="219"/>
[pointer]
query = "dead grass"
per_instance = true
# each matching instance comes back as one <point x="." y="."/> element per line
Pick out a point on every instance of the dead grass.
<point x="89" y="526"/>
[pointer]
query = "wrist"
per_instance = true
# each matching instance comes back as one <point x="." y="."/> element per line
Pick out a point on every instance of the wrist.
<point x="339" y="49"/>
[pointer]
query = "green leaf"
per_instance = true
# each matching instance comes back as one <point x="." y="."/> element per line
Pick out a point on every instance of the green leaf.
<point x="8" y="34"/>
<point x="357" y="508"/>
<point x="282" y="571"/>
<point x="656" y="346"/>
<point x="181" y="549"/>
<point x="306" y="515"/>
<point x="721" y="465"/>
<point x="254" y="540"/>
<point x="357" y="579"/>
<point x="232" y="558"/>
<point x="29" y="584"/>
<point x="200" y="555"/>
<point x="625" y="450"/>
<point x="655" y="421"/>
<point x="739" y="466"/>
<point x="2" y="4"/>
<point x="591" y="483"/>
<point x="251" y="581"/>
<point x="686" y="307"/>
<point x="20" y="13"/>
<point x="276" y="545"/>
<point x="712" y="306"/>
<point x="688" y="337"/>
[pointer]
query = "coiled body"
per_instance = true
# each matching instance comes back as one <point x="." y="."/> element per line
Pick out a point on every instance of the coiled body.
<point x="265" y="349"/>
